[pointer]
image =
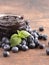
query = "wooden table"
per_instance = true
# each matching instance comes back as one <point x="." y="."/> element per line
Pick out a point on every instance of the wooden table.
<point x="30" y="57"/>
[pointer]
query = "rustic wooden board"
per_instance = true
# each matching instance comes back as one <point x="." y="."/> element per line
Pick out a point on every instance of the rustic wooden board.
<point x="30" y="57"/>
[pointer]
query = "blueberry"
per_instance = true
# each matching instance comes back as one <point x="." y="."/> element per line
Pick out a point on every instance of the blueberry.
<point x="3" y="44"/>
<point x="41" y="28"/>
<point x="30" y="39"/>
<point x="27" y="44"/>
<point x="27" y="22"/>
<point x="27" y="27"/>
<point x="32" y="45"/>
<point x="35" y="35"/>
<point x="35" y="38"/>
<point x="47" y="51"/>
<point x="5" y="40"/>
<point x="0" y="44"/>
<point x="6" y="54"/>
<point x="44" y="37"/>
<point x="23" y="42"/>
<point x="6" y="47"/>
<point x="32" y="33"/>
<point x="20" y="46"/>
<point x="25" y="39"/>
<point x="35" y="31"/>
<point x="41" y="46"/>
<point x="24" y="47"/>
<point x="40" y="37"/>
<point x="36" y="41"/>
<point x="15" y="49"/>
<point x="30" y="30"/>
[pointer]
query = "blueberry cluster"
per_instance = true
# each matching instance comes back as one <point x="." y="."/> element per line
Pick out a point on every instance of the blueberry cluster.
<point x="31" y="42"/>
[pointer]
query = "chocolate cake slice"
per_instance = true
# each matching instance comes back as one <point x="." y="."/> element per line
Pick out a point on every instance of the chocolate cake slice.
<point x="9" y="24"/>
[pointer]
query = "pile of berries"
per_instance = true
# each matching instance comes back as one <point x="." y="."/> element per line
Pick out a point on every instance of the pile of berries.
<point x="31" y="42"/>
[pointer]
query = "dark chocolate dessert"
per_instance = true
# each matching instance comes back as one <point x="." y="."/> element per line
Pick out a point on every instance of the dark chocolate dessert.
<point x="9" y="24"/>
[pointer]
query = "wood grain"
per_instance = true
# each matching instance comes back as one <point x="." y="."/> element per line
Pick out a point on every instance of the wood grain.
<point x="37" y="18"/>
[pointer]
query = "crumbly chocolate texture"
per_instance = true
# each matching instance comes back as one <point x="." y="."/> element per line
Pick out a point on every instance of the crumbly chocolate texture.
<point x="9" y="24"/>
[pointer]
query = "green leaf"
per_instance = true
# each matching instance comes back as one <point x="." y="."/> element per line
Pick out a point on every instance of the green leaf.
<point x="15" y="40"/>
<point x="14" y="35"/>
<point x="23" y="34"/>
